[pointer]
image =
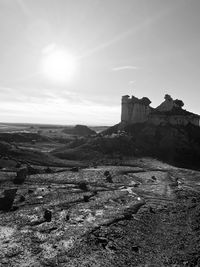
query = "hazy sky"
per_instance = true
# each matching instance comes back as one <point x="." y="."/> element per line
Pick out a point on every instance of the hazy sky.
<point x="136" y="47"/>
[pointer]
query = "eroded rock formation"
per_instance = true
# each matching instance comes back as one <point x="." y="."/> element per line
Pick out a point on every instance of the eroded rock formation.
<point x="135" y="110"/>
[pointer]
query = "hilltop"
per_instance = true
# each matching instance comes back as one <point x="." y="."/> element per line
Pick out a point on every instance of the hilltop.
<point x="80" y="130"/>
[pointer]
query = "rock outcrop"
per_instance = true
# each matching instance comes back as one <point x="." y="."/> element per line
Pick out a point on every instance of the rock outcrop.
<point x="136" y="110"/>
<point x="80" y="130"/>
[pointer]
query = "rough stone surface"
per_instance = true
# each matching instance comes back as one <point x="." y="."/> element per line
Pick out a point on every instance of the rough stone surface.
<point x="136" y="110"/>
<point x="154" y="224"/>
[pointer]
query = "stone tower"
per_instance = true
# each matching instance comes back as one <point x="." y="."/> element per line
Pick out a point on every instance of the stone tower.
<point x="134" y="110"/>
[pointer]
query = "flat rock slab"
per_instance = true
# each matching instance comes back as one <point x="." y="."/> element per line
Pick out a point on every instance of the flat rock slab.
<point x="26" y="239"/>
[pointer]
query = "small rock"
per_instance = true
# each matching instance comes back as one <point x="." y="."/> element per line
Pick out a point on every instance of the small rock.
<point x="48" y="170"/>
<point x="48" y="215"/>
<point x="74" y="169"/>
<point x="32" y="170"/>
<point x="30" y="191"/>
<point x="128" y="215"/>
<point x="39" y="197"/>
<point x="7" y="201"/>
<point x="153" y="178"/>
<point x="22" y="199"/>
<point x="135" y="249"/>
<point x="21" y="175"/>
<point x="18" y="165"/>
<point x="193" y="200"/>
<point x="103" y="241"/>
<point x="83" y="186"/>
<point x="111" y="246"/>
<point x="86" y="198"/>
<point x="14" y="208"/>
<point x="151" y="210"/>
<point x="108" y="177"/>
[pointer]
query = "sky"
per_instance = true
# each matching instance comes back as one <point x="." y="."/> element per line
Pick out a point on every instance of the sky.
<point x="135" y="47"/>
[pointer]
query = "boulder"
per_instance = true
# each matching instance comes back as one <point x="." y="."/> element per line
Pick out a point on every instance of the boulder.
<point x="21" y="175"/>
<point x="47" y="215"/>
<point x="7" y="201"/>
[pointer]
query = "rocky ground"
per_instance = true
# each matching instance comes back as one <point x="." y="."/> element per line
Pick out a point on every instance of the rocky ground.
<point x="140" y="213"/>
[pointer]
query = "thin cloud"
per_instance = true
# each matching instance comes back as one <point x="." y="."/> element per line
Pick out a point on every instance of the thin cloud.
<point x="132" y="30"/>
<point x="43" y="95"/>
<point x="34" y="94"/>
<point x="131" y="82"/>
<point x="125" y="68"/>
<point x="24" y="8"/>
<point x="59" y="111"/>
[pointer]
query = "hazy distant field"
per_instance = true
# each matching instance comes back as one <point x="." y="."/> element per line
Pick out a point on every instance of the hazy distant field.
<point x="29" y="127"/>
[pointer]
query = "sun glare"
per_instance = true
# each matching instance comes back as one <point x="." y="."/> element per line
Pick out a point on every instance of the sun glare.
<point x="58" y="65"/>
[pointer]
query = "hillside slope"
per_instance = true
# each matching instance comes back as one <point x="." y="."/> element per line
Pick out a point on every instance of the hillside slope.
<point x="179" y="145"/>
<point x="80" y="130"/>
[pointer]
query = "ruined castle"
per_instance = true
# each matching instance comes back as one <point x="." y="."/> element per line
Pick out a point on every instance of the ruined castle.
<point x="135" y="110"/>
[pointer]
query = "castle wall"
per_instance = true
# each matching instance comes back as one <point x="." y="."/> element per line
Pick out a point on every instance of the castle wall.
<point x="133" y="112"/>
<point x="173" y="119"/>
<point x="125" y="109"/>
<point x="136" y="110"/>
<point x="124" y="113"/>
<point x="139" y="113"/>
<point x="195" y="121"/>
<point x="167" y="105"/>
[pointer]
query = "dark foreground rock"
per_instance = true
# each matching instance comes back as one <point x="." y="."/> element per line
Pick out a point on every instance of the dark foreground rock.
<point x="21" y="176"/>
<point x="6" y="202"/>
<point x="176" y="144"/>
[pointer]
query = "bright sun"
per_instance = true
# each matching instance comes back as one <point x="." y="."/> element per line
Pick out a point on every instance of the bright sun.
<point x="59" y="66"/>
